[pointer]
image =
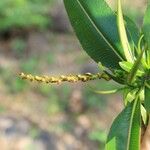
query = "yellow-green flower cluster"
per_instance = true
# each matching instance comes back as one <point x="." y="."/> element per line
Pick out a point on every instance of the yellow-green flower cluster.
<point x="65" y="78"/>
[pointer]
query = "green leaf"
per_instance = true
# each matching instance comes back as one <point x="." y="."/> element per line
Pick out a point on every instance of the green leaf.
<point x="144" y="115"/>
<point x="132" y="31"/>
<point x="109" y="91"/>
<point x="147" y="99"/>
<point x="96" y="28"/>
<point x="123" y="35"/>
<point x="137" y="63"/>
<point x="127" y="66"/>
<point x="146" y="25"/>
<point x="125" y="131"/>
<point x="146" y="30"/>
<point x="130" y="95"/>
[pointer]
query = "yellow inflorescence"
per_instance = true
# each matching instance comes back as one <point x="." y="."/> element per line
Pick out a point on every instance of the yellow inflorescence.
<point x="69" y="78"/>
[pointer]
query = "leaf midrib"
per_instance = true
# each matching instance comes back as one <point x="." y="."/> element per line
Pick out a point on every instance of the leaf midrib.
<point x="95" y="26"/>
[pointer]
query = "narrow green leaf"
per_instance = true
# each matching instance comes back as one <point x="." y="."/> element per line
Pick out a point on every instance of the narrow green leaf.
<point x="146" y="25"/>
<point x="109" y="91"/>
<point x="144" y="115"/>
<point x="136" y="65"/>
<point x="135" y="127"/>
<point x="130" y="96"/>
<point x="96" y="28"/>
<point x="132" y="32"/>
<point x="127" y="66"/>
<point x="123" y="35"/>
<point x="146" y="30"/>
<point x="147" y="99"/>
<point x="125" y="130"/>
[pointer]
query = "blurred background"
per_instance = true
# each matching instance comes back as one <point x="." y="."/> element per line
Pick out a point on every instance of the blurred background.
<point x="36" y="37"/>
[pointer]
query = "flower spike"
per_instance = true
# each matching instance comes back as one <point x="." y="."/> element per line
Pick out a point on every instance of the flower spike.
<point x="65" y="78"/>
